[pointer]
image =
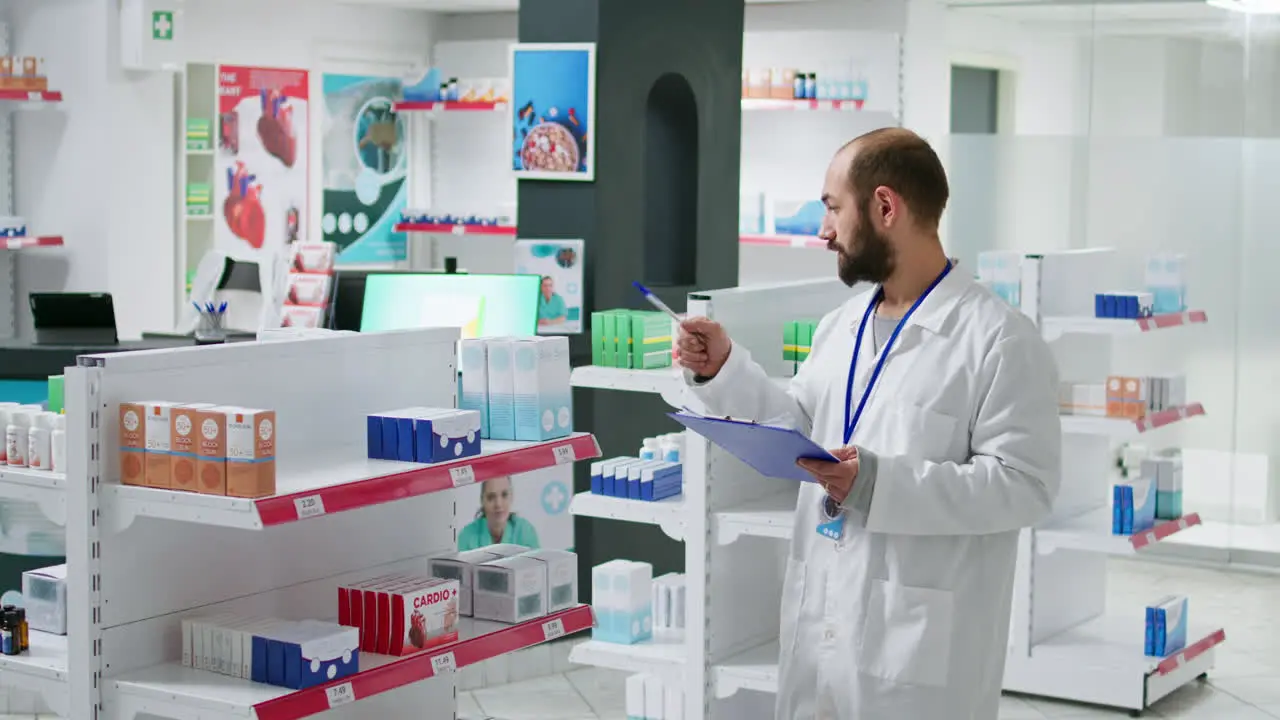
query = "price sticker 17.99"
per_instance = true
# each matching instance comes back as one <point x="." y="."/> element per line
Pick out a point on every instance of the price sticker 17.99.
<point x="339" y="695"/>
<point x="443" y="663"/>
<point x="309" y="506"/>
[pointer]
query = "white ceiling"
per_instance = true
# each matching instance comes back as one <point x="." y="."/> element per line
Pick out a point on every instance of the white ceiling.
<point x="1120" y="17"/>
<point x="478" y="6"/>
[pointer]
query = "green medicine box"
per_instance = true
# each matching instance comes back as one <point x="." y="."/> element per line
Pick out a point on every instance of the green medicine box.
<point x="199" y="199"/>
<point x="199" y="134"/>
<point x="650" y="340"/>
<point x="56" y="393"/>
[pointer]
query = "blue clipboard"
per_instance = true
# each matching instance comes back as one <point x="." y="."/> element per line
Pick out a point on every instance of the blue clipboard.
<point x="769" y="450"/>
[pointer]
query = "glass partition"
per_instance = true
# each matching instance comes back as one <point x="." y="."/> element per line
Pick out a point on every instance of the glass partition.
<point x="1176" y="150"/>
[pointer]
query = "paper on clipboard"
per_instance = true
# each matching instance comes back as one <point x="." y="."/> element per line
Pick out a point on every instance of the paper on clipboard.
<point x="770" y="450"/>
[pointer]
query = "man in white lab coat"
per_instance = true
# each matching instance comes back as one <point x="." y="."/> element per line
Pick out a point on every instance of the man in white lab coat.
<point x="940" y="402"/>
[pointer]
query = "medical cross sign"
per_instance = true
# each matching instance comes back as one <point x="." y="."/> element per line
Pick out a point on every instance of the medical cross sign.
<point x="162" y="25"/>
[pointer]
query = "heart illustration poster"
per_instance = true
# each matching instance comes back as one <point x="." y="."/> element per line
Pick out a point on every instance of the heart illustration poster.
<point x="261" y="166"/>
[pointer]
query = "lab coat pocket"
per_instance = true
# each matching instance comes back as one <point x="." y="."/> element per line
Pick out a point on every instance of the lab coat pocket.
<point x="906" y="635"/>
<point x="929" y="433"/>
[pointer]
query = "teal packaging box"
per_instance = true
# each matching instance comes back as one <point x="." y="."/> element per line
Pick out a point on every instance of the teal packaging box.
<point x="543" y="396"/>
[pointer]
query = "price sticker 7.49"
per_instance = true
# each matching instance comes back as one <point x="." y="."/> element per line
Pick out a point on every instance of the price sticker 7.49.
<point x="339" y="695"/>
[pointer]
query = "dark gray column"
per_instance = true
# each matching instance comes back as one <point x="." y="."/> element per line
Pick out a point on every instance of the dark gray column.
<point x="663" y="208"/>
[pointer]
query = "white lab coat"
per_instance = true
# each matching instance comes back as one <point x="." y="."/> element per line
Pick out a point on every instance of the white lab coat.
<point x="907" y="616"/>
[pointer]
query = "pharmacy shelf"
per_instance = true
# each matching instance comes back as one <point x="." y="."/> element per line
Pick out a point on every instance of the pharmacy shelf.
<point x="1115" y="642"/>
<point x="772" y="517"/>
<point x="751" y="104"/>
<point x="23" y="243"/>
<point x="181" y="693"/>
<point x="755" y="669"/>
<point x="1056" y="326"/>
<point x="794" y="241"/>
<point x="312" y="492"/>
<point x="1092" y="532"/>
<point x="1121" y="428"/>
<point x="41" y="670"/>
<point x="31" y="98"/>
<point x="664" y="658"/>
<point x="660" y="381"/>
<point x="668" y="514"/>
<point x="435" y="107"/>
<point x="45" y="489"/>
<point x="439" y="229"/>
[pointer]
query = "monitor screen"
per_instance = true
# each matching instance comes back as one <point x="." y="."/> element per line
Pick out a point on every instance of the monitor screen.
<point x="482" y="305"/>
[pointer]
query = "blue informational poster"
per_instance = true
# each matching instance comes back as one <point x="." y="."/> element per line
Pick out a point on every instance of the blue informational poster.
<point x="553" y="96"/>
<point x="364" y="163"/>
<point x="559" y="263"/>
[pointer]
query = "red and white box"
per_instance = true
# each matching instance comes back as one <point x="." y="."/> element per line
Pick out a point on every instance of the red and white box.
<point x="424" y="614"/>
<point x="313" y="257"/>
<point x="309" y="289"/>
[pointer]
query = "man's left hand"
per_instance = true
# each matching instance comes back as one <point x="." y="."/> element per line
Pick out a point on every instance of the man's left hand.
<point x="835" y="477"/>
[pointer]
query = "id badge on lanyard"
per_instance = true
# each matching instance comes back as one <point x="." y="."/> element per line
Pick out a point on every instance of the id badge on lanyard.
<point x="832" y="525"/>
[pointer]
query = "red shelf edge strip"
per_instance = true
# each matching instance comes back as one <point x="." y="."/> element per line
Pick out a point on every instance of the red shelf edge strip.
<point x="416" y="668"/>
<point x="421" y="481"/>
<point x="26" y="242"/>
<point x="1168" y="417"/>
<point x="454" y="229"/>
<point x="25" y="95"/>
<point x="1168" y="320"/>
<point x="1164" y="530"/>
<point x="1177" y="660"/>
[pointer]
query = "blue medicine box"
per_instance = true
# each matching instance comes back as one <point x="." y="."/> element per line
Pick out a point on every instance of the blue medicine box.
<point x="305" y="654"/>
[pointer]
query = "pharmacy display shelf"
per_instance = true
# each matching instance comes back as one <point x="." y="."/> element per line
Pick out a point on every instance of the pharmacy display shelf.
<point x="41" y="670"/>
<point x="442" y="229"/>
<point x="795" y="241"/>
<point x="662" y="657"/>
<point x="1122" y="428"/>
<point x="32" y="98"/>
<point x="773" y="516"/>
<point x="668" y="514"/>
<point x="312" y="492"/>
<point x="1091" y="532"/>
<point x="783" y="104"/>
<point x="668" y="382"/>
<point x="435" y="107"/>
<point x="179" y="692"/>
<point x="755" y="669"/>
<point x="23" y="243"/>
<point x="1057" y="326"/>
<point x="44" y="488"/>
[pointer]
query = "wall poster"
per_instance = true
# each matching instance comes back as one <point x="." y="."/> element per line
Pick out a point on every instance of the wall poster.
<point x="553" y="100"/>
<point x="560" y="264"/>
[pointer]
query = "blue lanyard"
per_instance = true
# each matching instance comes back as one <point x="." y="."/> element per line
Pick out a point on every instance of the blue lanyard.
<point x="851" y="424"/>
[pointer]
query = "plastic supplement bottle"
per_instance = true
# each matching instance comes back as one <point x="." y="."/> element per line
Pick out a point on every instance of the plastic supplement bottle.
<point x="16" y="438"/>
<point x="58" y="445"/>
<point x="649" y="450"/>
<point x="38" y="447"/>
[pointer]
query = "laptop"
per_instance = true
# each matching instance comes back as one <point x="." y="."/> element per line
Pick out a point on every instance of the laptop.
<point x="74" y="319"/>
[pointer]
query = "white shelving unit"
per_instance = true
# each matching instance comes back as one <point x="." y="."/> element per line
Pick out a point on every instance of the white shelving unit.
<point x="1062" y="643"/>
<point x="141" y="559"/>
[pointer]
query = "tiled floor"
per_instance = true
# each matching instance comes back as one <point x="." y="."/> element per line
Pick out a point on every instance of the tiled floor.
<point x="1244" y="686"/>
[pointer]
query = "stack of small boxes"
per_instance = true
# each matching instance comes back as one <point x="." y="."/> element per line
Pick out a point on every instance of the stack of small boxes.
<point x="1122" y="305"/>
<point x="1166" y="631"/>
<point x="519" y="386"/>
<point x="636" y="479"/>
<point x="669" y="606"/>
<point x="1133" y="508"/>
<point x="424" y="435"/>
<point x="634" y="339"/>
<point x="622" y="598"/>
<point x="1136" y="397"/>
<point x="310" y="285"/>
<point x="1167" y="282"/>
<point x="1166" y="468"/>
<point x="797" y="340"/>
<point x="286" y="653"/>
<point x="647" y="698"/>
<point x="23" y="73"/>
<point x="510" y="583"/>
<point x="198" y="447"/>
<point x="401" y="614"/>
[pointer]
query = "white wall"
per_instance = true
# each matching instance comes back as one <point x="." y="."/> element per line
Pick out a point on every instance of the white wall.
<point x="103" y="173"/>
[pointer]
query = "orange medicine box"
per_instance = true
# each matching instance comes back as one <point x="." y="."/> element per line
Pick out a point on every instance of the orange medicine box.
<point x="182" y="445"/>
<point x="1135" y="397"/>
<point x="251" y="453"/>
<point x="133" y="443"/>
<point x="158" y="463"/>
<point x="211" y="451"/>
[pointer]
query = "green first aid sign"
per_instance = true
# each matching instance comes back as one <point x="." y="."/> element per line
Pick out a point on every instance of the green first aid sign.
<point x="162" y="25"/>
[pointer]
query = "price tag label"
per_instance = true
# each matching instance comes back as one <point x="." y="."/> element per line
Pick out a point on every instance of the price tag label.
<point x="553" y="629"/>
<point x="564" y="454"/>
<point x="339" y="695"/>
<point x="443" y="663"/>
<point x="463" y="475"/>
<point x="309" y="506"/>
<point x="35" y="96"/>
<point x="459" y="229"/>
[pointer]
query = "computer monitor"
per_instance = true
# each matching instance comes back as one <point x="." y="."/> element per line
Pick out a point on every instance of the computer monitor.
<point x="482" y="305"/>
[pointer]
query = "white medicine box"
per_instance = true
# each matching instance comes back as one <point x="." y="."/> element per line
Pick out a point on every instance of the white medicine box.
<point x="562" y="577"/>
<point x="44" y="594"/>
<point x="461" y="566"/>
<point x="510" y="590"/>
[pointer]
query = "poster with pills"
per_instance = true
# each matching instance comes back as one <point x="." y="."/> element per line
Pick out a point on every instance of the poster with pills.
<point x="364" y="159"/>
<point x="530" y="509"/>
<point x="553" y="97"/>
<point x="261" y="160"/>
<point x="559" y="263"/>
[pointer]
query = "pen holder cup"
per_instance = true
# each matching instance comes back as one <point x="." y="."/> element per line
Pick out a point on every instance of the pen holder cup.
<point x="209" y="328"/>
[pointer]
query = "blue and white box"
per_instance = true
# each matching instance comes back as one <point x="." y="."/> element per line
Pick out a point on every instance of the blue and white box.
<point x="442" y="434"/>
<point x="473" y="389"/>
<point x="662" y="481"/>
<point x="622" y="600"/>
<point x="1144" y="504"/>
<point x="543" y="395"/>
<point x="597" y="473"/>
<point x="502" y="388"/>
<point x="1166" y="281"/>
<point x="611" y="474"/>
<point x="391" y="434"/>
<point x="298" y="655"/>
<point x="1168" y="625"/>
<point x="1166" y="468"/>
<point x="634" y="473"/>
<point x="1122" y="510"/>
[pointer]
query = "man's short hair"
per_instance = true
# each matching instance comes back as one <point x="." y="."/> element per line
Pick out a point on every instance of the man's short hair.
<point x="904" y="162"/>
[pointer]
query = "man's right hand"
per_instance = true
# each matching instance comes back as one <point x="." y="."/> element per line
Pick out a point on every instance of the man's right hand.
<point x="704" y="346"/>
